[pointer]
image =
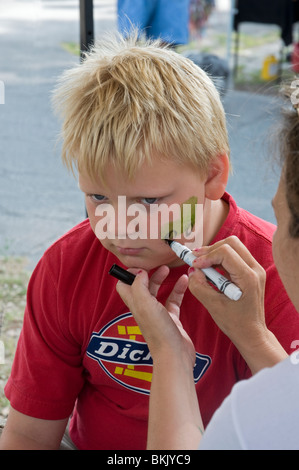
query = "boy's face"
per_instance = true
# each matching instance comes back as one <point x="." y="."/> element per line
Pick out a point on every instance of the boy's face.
<point x="123" y="212"/>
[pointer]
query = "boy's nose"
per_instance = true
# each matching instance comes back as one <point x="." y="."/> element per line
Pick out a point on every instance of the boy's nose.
<point x="131" y="222"/>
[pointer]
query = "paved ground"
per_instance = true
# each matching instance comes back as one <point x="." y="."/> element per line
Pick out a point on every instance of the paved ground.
<point x="39" y="200"/>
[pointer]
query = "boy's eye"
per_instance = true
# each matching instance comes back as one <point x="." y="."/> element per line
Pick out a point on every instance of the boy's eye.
<point x="97" y="197"/>
<point x="149" y="200"/>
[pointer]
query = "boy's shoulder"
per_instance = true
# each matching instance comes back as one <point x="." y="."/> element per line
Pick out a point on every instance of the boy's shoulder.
<point x="255" y="233"/>
<point x="241" y="220"/>
<point x="78" y="236"/>
<point x="74" y="248"/>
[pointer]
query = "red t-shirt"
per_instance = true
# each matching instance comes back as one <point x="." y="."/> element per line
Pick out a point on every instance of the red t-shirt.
<point x="81" y="353"/>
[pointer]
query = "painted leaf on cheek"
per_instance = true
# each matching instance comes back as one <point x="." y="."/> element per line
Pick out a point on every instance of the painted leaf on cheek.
<point x="184" y="224"/>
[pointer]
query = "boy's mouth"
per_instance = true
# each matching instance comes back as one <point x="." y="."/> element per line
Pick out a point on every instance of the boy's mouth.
<point x="129" y="251"/>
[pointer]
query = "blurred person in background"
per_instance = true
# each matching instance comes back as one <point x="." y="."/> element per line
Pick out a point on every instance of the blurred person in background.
<point x="163" y="19"/>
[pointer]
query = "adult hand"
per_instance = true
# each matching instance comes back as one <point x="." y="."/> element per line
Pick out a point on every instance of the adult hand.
<point x="174" y="418"/>
<point x="243" y="321"/>
<point x="159" y="324"/>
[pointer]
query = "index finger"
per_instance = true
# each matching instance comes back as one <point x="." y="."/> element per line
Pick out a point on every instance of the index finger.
<point x="176" y="296"/>
<point x="132" y="294"/>
<point x="239" y="272"/>
<point x="235" y="244"/>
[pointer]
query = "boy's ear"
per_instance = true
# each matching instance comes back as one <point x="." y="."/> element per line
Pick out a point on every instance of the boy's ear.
<point x="217" y="177"/>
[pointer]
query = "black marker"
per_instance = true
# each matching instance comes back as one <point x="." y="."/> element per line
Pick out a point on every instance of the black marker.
<point x="121" y="274"/>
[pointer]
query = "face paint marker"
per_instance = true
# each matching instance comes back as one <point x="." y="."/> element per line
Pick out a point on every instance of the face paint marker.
<point x="222" y="283"/>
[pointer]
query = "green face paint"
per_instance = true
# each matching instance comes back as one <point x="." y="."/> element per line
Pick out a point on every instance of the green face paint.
<point x="182" y="225"/>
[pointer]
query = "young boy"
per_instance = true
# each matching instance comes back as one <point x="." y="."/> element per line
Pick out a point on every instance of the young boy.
<point x="145" y="124"/>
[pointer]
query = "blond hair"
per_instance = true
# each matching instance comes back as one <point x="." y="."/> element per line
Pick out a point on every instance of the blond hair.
<point x="127" y="101"/>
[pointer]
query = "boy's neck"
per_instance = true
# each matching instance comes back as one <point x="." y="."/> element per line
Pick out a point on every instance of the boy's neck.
<point x="215" y="213"/>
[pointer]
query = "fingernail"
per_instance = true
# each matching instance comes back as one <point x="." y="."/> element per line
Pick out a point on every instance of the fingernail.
<point x="191" y="270"/>
<point x="198" y="261"/>
<point x="140" y="271"/>
<point x="201" y="249"/>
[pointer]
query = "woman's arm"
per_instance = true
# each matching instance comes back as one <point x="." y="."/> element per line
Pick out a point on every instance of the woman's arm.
<point x="243" y="321"/>
<point x="174" y="417"/>
<point x="175" y="421"/>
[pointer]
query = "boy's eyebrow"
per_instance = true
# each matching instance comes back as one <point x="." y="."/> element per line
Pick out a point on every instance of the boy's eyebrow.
<point x="85" y="190"/>
<point x="145" y="194"/>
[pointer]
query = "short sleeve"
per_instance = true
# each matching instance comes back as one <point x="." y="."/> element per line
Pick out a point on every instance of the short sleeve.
<point x="221" y="433"/>
<point x="47" y="373"/>
<point x="259" y="413"/>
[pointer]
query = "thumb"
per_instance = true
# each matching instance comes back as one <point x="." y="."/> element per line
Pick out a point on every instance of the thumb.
<point x="126" y="291"/>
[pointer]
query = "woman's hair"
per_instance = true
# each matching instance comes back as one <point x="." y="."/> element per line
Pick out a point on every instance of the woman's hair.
<point x="289" y="154"/>
<point x="127" y="101"/>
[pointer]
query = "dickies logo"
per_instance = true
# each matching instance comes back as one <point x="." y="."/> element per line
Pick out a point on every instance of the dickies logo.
<point x="120" y="349"/>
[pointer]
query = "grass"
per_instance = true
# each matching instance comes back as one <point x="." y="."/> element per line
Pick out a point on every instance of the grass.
<point x="252" y="81"/>
<point x="14" y="279"/>
<point x="218" y="42"/>
<point x="248" y="79"/>
<point x="215" y="45"/>
<point x="248" y="41"/>
<point x="71" y="47"/>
